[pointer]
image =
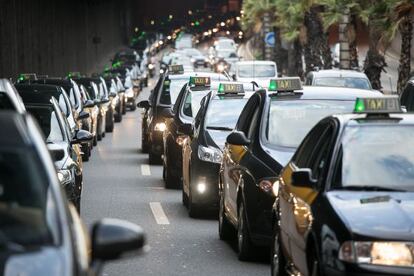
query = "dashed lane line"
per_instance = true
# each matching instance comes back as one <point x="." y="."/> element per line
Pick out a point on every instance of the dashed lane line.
<point x="159" y="213"/>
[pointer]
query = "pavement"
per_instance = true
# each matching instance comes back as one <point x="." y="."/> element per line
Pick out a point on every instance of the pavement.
<point x="119" y="183"/>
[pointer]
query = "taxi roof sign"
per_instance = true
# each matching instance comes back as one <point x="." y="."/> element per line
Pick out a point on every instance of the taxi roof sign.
<point x="230" y="88"/>
<point x="285" y="84"/>
<point x="27" y="76"/>
<point x="176" y="69"/>
<point x="200" y="81"/>
<point x="386" y="104"/>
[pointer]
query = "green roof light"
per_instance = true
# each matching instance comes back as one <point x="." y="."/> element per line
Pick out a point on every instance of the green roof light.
<point x="221" y="88"/>
<point x="272" y="85"/>
<point x="359" y="105"/>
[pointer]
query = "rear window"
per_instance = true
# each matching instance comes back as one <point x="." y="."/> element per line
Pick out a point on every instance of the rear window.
<point x="48" y="122"/>
<point x="359" y="83"/>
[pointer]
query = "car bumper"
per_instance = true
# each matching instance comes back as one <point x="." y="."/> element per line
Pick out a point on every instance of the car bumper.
<point x="205" y="173"/>
<point x="368" y="270"/>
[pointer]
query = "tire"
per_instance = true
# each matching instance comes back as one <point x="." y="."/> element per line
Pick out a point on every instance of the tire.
<point x="226" y="230"/>
<point x="77" y="204"/>
<point x="154" y="159"/>
<point x="95" y="140"/>
<point x="110" y="128"/>
<point x="103" y="134"/>
<point x="134" y="106"/>
<point x="184" y="198"/>
<point x="243" y="238"/>
<point x="277" y="260"/>
<point x="171" y="182"/>
<point x="118" y="117"/>
<point x="86" y="153"/>
<point x="313" y="263"/>
<point x="144" y="142"/>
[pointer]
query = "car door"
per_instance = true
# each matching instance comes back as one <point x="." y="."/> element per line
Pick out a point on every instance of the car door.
<point x="233" y="155"/>
<point x="313" y="155"/>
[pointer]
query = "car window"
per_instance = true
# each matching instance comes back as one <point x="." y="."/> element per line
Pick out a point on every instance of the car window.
<point x="48" y="122"/>
<point x="359" y="83"/>
<point x="377" y="155"/>
<point x="290" y="120"/>
<point x="170" y="90"/>
<point x="224" y="112"/>
<point x="26" y="208"/>
<point x="256" y="71"/>
<point x="246" y="115"/>
<point x="5" y="102"/>
<point x="192" y="102"/>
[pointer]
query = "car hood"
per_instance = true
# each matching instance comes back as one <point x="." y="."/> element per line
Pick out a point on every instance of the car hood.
<point x="381" y="215"/>
<point x="44" y="261"/>
<point x="198" y="57"/>
<point x="217" y="137"/>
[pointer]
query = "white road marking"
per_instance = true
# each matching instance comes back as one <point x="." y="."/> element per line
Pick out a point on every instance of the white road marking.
<point x="145" y="169"/>
<point x="158" y="213"/>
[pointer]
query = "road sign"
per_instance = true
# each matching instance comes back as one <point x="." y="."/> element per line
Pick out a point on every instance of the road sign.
<point x="270" y="39"/>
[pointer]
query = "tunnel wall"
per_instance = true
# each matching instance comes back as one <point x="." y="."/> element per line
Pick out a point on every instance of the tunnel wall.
<point x="55" y="36"/>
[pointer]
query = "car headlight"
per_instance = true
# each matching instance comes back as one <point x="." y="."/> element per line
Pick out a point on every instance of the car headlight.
<point x="160" y="126"/>
<point x="210" y="154"/>
<point x="161" y="71"/>
<point x="150" y="66"/>
<point x="206" y="60"/>
<point x="378" y="253"/>
<point x="220" y="68"/>
<point x="193" y="60"/>
<point x="129" y="93"/>
<point x="64" y="176"/>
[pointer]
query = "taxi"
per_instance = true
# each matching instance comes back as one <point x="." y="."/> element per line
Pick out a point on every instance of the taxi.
<point x="269" y="129"/>
<point x="345" y="201"/>
<point x="202" y="150"/>
<point x="41" y="234"/>
<point x="179" y="124"/>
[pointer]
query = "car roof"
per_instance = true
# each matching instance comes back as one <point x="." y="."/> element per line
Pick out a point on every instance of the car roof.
<point x="353" y="119"/>
<point x="334" y="93"/>
<point x="38" y="94"/>
<point x="14" y="125"/>
<point x="339" y="73"/>
<point x="259" y="62"/>
<point x="187" y="75"/>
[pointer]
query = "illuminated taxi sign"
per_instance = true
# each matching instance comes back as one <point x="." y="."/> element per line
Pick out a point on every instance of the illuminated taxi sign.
<point x="176" y="69"/>
<point x="285" y="84"/>
<point x="74" y="75"/>
<point x="200" y="81"/>
<point x="390" y="104"/>
<point x="230" y="88"/>
<point x="27" y="76"/>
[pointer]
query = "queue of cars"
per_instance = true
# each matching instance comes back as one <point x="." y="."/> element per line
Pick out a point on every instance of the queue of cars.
<point x="317" y="172"/>
<point x="52" y="125"/>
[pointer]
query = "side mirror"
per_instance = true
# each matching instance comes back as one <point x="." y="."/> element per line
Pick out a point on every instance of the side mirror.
<point x="167" y="113"/>
<point x="238" y="138"/>
<point x="186" y="129"/>
<point x="112" y="238"/>
<point x="104" y="100"/>
<point x="82" y="136"/>
<point x="89" y="103"/>
<point x="143" y="104"/>
<point x="234" y="77"/>
<point x="83" y="115"/>
<point x="56" y="152"/>
<point x="404" y="109"/>
<point x="303" y="178"/>
<point x="112" y="94"/>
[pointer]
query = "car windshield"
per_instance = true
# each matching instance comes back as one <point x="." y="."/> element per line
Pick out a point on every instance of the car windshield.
<point x="360" y="83"/>
<point x="193" y="52"/>
<point x="256" y="71"/>
<point x="48" y="122"/>
<point x="171" y="89"/>
<point x="290" y="120"/>
<point x="5" y="103"/>
<point x="225" y="44"/>
<point x="226" y="53"/>
<point x="192" y="102"/>
<point x="26" y="216"/>
<point x="376" y="155"/>
<point x="224" y="113"/>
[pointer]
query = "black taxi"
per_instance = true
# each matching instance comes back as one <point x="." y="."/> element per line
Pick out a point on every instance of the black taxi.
<point x="41" y="234"/>
<point x="345" y="201"/>
<point x="180" y="121"/>
<point x="202" y="150"/>
<point x="161" y="98"/>
<point x="269" y="129"/>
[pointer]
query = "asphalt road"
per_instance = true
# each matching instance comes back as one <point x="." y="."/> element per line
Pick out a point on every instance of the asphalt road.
<point x="119" y="183"/>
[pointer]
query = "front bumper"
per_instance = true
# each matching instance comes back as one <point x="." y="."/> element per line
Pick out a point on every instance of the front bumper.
<point x="205" y="173"/>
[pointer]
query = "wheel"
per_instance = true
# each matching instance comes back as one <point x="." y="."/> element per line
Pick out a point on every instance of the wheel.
<point x="184" y="198"/>
<point x="144" y="142"/>
<point x="313" y="263"/>
<point x="103" y="133"/>
<point x="226" y="230"/>
<point x="95" y="140"/>
<point x="134" y="106"/>
<point x="154" y="159"/>
<point x="277" y="260"/>
<point x="243" y="238"/>
<point x="171" y="181"/>
<point x="118" y="117"/>
<point x="110" y="128"/>
<point x="86" y="153"/>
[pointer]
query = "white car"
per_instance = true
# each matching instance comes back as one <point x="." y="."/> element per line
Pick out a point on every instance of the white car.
<point x="260" y="72"/>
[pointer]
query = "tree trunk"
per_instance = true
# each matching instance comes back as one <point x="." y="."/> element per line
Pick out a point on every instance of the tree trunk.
<point x="297" y="59"/>
<point x="352" y="38"/>
<point x="312" y="45"/>
<point x="280" y="54"/>
<point x="344" y="62"/>
<point x="374" y="62"/>
<point x="404" y="70"/>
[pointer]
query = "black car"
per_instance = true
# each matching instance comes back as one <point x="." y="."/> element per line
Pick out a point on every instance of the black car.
<point x="202" y="151"/>
<point x="54" y="126"/>
<point x="119" y="95"/>
<point x="180" y="124"/>
<point x="109" y="100"/>
<point x="40" y="233"/>
<point x="269" y="129"/>
<point x="162" y="98"/>
<point x="345" y="201"/>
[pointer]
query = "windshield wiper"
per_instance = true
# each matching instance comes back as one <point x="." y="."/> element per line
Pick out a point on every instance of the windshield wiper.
<point x="220" y="128"/>
<point x="369" y="188"/>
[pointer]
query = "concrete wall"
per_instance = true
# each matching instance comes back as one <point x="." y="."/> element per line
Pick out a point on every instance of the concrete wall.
<point x="55" y="36"/>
